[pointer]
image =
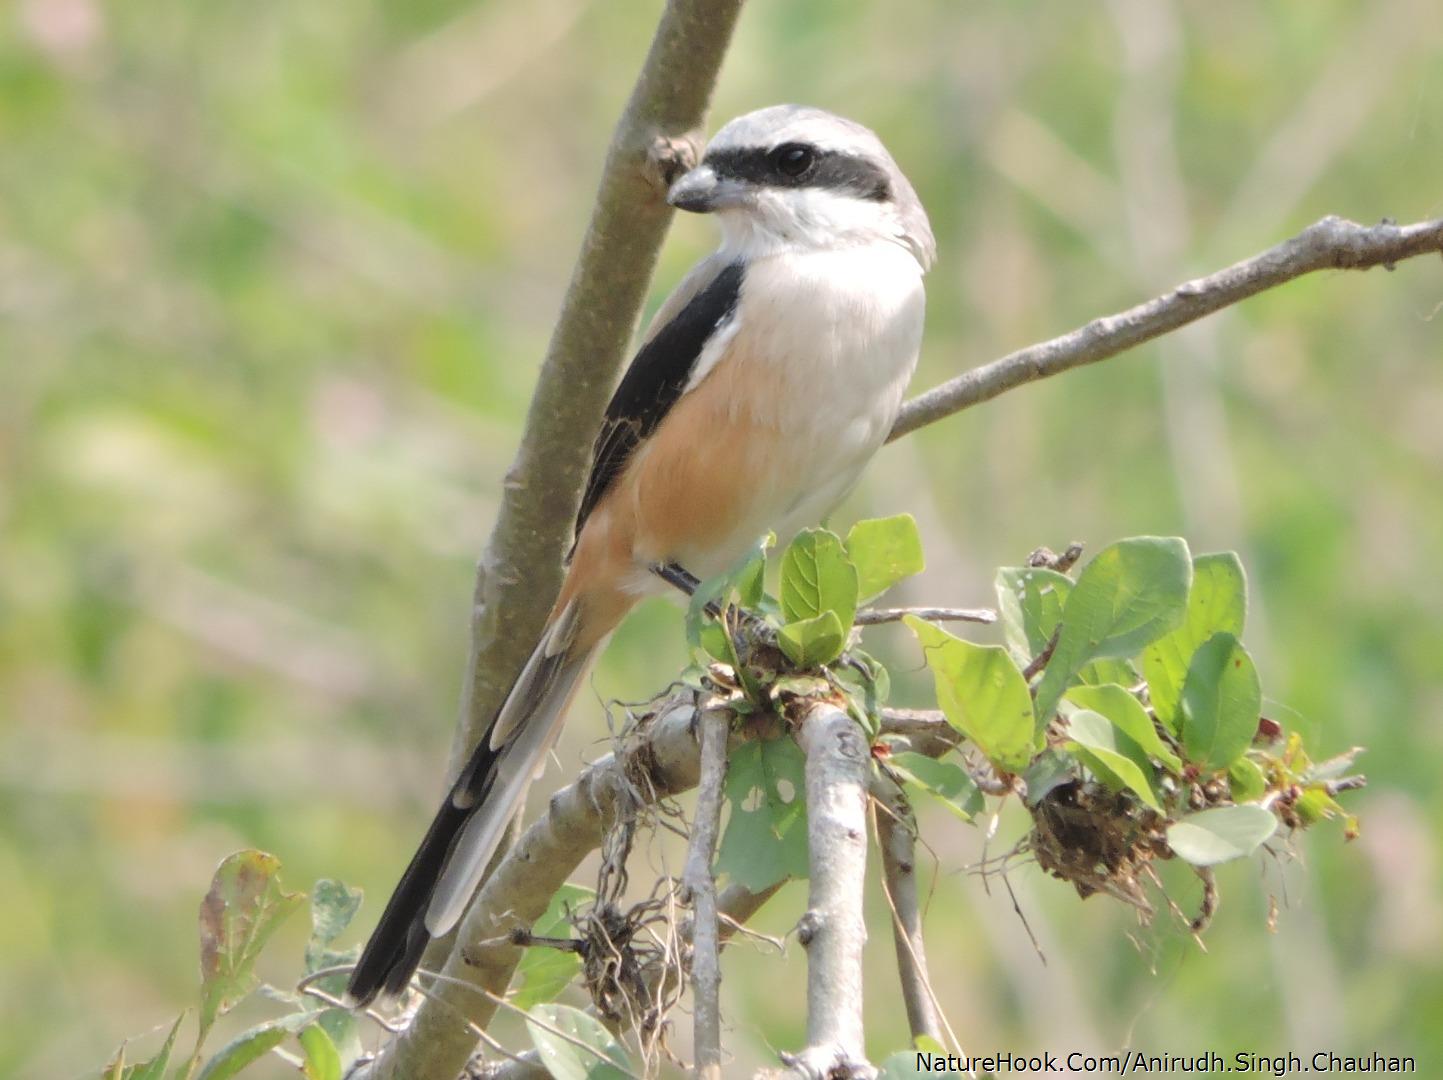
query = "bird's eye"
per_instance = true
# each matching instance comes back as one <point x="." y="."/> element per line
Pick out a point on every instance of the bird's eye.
<point x="793" y="159"/>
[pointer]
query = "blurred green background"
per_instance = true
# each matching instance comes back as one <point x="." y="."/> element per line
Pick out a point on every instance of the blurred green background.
<point x="274" y="282"/>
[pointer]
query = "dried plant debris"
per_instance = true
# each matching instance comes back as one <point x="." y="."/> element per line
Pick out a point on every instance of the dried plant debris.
<point x="1097" y="840"/>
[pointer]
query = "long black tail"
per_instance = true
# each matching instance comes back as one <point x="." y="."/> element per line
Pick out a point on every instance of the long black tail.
<point x="394" y="951"/>
<point x="466" y="831"/>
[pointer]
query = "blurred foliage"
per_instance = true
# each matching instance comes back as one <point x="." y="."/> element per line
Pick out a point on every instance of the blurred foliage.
<point x="274" y="281"/>
<point x="242" y="910"/>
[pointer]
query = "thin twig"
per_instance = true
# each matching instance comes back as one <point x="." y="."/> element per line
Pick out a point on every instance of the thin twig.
<point x="896" y="830"/>
<point x="323" y="973"/>
<point x="926" y="730"/>
<point x="699" y="889"/>
<point x="1333" y="243"/>
<point x="929" y="733"/>
<point x="874" y="616"/>
<point x="737" y="904"/>
<point x="1039" y="661"/>
<point x="336" y="1003"/>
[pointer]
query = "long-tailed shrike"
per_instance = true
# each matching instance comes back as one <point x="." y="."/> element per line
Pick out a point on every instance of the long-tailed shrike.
<point x="767" y="380"/>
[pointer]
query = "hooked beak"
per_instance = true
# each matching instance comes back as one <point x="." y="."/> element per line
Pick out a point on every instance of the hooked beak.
<point x="701" y="191"/>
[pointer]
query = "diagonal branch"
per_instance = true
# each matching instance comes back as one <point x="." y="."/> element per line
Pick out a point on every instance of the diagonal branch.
<point x="661" y="760"/>
<point x="877" y="616"/>
<point x="1333" y="243"/>
<point x="656" y="138"/>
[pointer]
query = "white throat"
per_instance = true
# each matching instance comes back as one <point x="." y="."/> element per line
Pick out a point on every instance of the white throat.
<point x="807" y="220"/>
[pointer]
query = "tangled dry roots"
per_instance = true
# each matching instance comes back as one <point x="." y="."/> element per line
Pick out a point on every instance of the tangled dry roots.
<point x="631" y="953"/>
<point x="622" y="962"/>
<point x="1098" y="840"/>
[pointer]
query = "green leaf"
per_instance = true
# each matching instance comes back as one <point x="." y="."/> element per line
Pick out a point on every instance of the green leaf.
<point x="703" y="633"/>
<point x="696" y="614"/>
<point x="1131" y="594"/>
<point x="813" y="642"/>
<point x="1215" y="836"/>
<point x="545" y="972"/>
<point x="333" y="905"/>
<point x="1049" y="770"/>
<point x="875" y="686"/>
<point x="750" y="578"/>
<point x="1246" y="780"/>
<point x="982" y="693"/>
<point x="1315" y="805"/>
<point x="564" y="1059"/>
<point x="1116" y="759"/>
<point x="1218" y="601"/>
<point x="765" y="840"/>
<point x="743" y="585"/>
<point x="1105" y="672"/>
<point x="817" y="577"/>
<point x="717" y="643"/>
<point x="154" y="1069"/>
<point x="241" y="911"/>
<point x="884" y="551"/>
<point x="341" y="1027"/>
<point x="945" y="781"/>
<point x="250" y="1046"/>
<point x="322" y="1060"/>
<point x="866" y="684"/>
<point x="1221" y="701"/>
<point x="1128" y="716"/>
<point x="1029" y="606"/>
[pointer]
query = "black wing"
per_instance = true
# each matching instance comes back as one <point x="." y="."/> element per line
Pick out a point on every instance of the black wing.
<point x="655" y="380"/>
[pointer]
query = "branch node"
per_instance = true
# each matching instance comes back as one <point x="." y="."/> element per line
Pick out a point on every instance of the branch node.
<point x="668" y="156"/>
<point x="1045" y="558"/>
<point x="808" y="926"/>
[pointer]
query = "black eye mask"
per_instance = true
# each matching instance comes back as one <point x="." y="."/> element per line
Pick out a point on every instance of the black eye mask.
<point x="799" y="165"/>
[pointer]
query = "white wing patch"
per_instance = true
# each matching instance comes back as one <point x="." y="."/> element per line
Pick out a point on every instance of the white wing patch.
<point x="715" y="347"/>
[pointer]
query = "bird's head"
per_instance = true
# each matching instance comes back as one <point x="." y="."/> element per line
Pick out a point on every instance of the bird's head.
<point x="792" y="177"/>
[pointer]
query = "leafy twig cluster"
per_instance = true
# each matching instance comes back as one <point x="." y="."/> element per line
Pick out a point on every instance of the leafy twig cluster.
<point x="1121" y="710"/>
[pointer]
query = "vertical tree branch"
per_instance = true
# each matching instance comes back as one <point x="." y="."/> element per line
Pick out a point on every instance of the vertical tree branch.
<point x="656" y="138"/>
<point x="699" y="889"/>
<point x="896" y="838"/>
<point x="833" y="930"/>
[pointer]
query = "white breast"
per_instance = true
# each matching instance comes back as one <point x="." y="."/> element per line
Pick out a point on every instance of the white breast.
<point x="839" y="332"/>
